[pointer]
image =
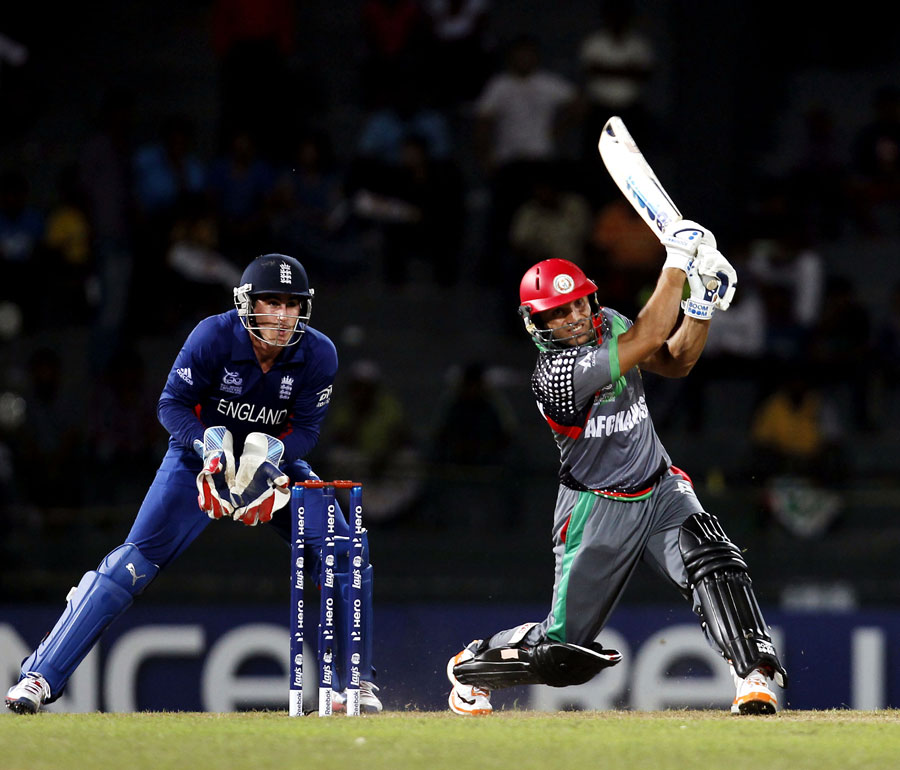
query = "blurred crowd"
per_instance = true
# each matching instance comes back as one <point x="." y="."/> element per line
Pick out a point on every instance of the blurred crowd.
<point x="464" y="138"/>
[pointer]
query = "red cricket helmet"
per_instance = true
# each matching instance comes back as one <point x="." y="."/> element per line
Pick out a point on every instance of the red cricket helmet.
<point x="549" y="284"/>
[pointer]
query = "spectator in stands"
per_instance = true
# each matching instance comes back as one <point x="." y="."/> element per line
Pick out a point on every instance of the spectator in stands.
<point x="21" y="235"/>
<point x="819" y="182"/>
<point x="519" y="115"/>
<point x="196" y="270"/>
<point x="167" y="172"/>
<point x="887" y="356"/>
<point x="49" y="446"/>
<point x="476" y="425"/>
<point x="399" y="115"/>
<point x="20" y="94"/>
<point x="124" y="437"/>
<point x="106" y="179"/>
<point x="254" y="41"/>
<point x="840" y="348"/>
<point x="554" y="222"/>
<point x="239" y="183"/>
<point x="308" y="210"/>
<point x="67" y="238"/>
<point x="789" y="270"/>
<point x="473" y="452"/>
<point x="369" y="440"/>
<point x="617" y="61"/>
<point x="414" y="209"/>
<point x="395" y="34"/>
<point x="625" y="252"/>
<point x="167" y="169"/>
<point x="877" y="164"/>
<point x="734" y="356"/>
<point x="460" y="49"/>
<point x="796" y="439"/>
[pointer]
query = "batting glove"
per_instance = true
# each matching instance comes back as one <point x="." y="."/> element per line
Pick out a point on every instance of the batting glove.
<point x="711" y="264"/>
<point x="260" y="487"/>
<point x="681" y="240"/>
<point x="712" y="280"/>
<point x="217" y="476"/>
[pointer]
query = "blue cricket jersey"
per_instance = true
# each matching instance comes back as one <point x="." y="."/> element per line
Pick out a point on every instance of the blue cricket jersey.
<point x="217" y="380"/>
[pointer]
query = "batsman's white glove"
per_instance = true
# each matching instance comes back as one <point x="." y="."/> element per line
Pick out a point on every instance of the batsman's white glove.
<point x="681" y="240"/>
<point x="712" y="280"/>
<point x="260" y="487"/>
<point x="217" y="476"/>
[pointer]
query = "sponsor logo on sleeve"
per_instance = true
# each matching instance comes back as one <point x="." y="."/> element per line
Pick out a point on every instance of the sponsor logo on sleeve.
<point x="185" y="374"/>
<point x="324" y="397"/>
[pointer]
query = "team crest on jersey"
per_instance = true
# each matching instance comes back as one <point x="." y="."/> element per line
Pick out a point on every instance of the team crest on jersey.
<point x="563" y="283"/>
<point x="285" y="273"/>
<point x="232" y="383"/>
<point x="287" y="384"/>
<point x="606" y="394"/>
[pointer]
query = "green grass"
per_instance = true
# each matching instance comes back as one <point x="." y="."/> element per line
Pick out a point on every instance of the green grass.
<point x="609" y="740"/>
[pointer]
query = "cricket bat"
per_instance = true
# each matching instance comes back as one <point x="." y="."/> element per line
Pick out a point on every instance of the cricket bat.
<point x="634" y="177"/>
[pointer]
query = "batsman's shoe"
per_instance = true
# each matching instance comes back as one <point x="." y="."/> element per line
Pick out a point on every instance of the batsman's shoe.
<point x="753" y="696"/>
<point x="369" y="703"/>
<point x="467" y="700"/>
<point x="28" y="694"/>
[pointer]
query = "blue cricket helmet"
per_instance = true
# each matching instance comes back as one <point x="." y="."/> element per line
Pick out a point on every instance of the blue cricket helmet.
<point x="273" y="274"/>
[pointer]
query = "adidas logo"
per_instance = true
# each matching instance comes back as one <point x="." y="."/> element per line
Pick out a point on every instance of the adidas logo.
<point x="185" y="374"/>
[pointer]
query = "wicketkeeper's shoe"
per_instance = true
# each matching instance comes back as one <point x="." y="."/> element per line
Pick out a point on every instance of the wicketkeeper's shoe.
<point x="369" y="703"/>
<point x="28" y="694"/>
<point x="465" y="699"/>
<point x="753" y="696"/>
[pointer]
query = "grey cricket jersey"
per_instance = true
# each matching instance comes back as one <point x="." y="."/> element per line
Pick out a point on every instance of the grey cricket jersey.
<point x="598" y="414"/>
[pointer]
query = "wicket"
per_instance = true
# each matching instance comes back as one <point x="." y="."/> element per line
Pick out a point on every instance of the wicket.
<point x="329" y="606"/>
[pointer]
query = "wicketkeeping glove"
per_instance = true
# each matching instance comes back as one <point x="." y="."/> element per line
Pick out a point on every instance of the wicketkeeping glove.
<point x="217" y="476"/>
<point x="260" y="487"/>
<point x="681" y="240"/>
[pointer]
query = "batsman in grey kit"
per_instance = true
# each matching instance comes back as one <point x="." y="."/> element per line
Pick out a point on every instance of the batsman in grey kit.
<point x="620" y="498"/>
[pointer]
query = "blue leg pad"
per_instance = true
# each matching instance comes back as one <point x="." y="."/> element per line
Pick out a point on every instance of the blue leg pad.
<point x="100" y="597"/>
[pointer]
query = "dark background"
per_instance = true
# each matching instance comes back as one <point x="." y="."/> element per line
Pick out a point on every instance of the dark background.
<point x="728" y="99"/>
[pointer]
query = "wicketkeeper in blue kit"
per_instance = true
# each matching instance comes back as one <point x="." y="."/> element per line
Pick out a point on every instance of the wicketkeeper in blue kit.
<point x="243" y="403"/>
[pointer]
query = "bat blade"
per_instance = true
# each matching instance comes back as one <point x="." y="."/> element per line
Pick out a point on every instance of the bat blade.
<point x="637" y="181"/>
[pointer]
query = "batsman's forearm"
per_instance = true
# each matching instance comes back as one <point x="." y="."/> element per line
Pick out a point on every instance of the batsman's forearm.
<point x="659" y="316"/>
<point x="686" y="345"/>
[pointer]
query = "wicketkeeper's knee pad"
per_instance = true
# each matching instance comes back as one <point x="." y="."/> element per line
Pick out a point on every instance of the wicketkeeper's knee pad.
<point x="100" y="597"/>
<point x="354" y="616"/>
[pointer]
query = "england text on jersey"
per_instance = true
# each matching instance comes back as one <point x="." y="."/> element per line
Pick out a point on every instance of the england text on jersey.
<point x="251" y="412"/>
